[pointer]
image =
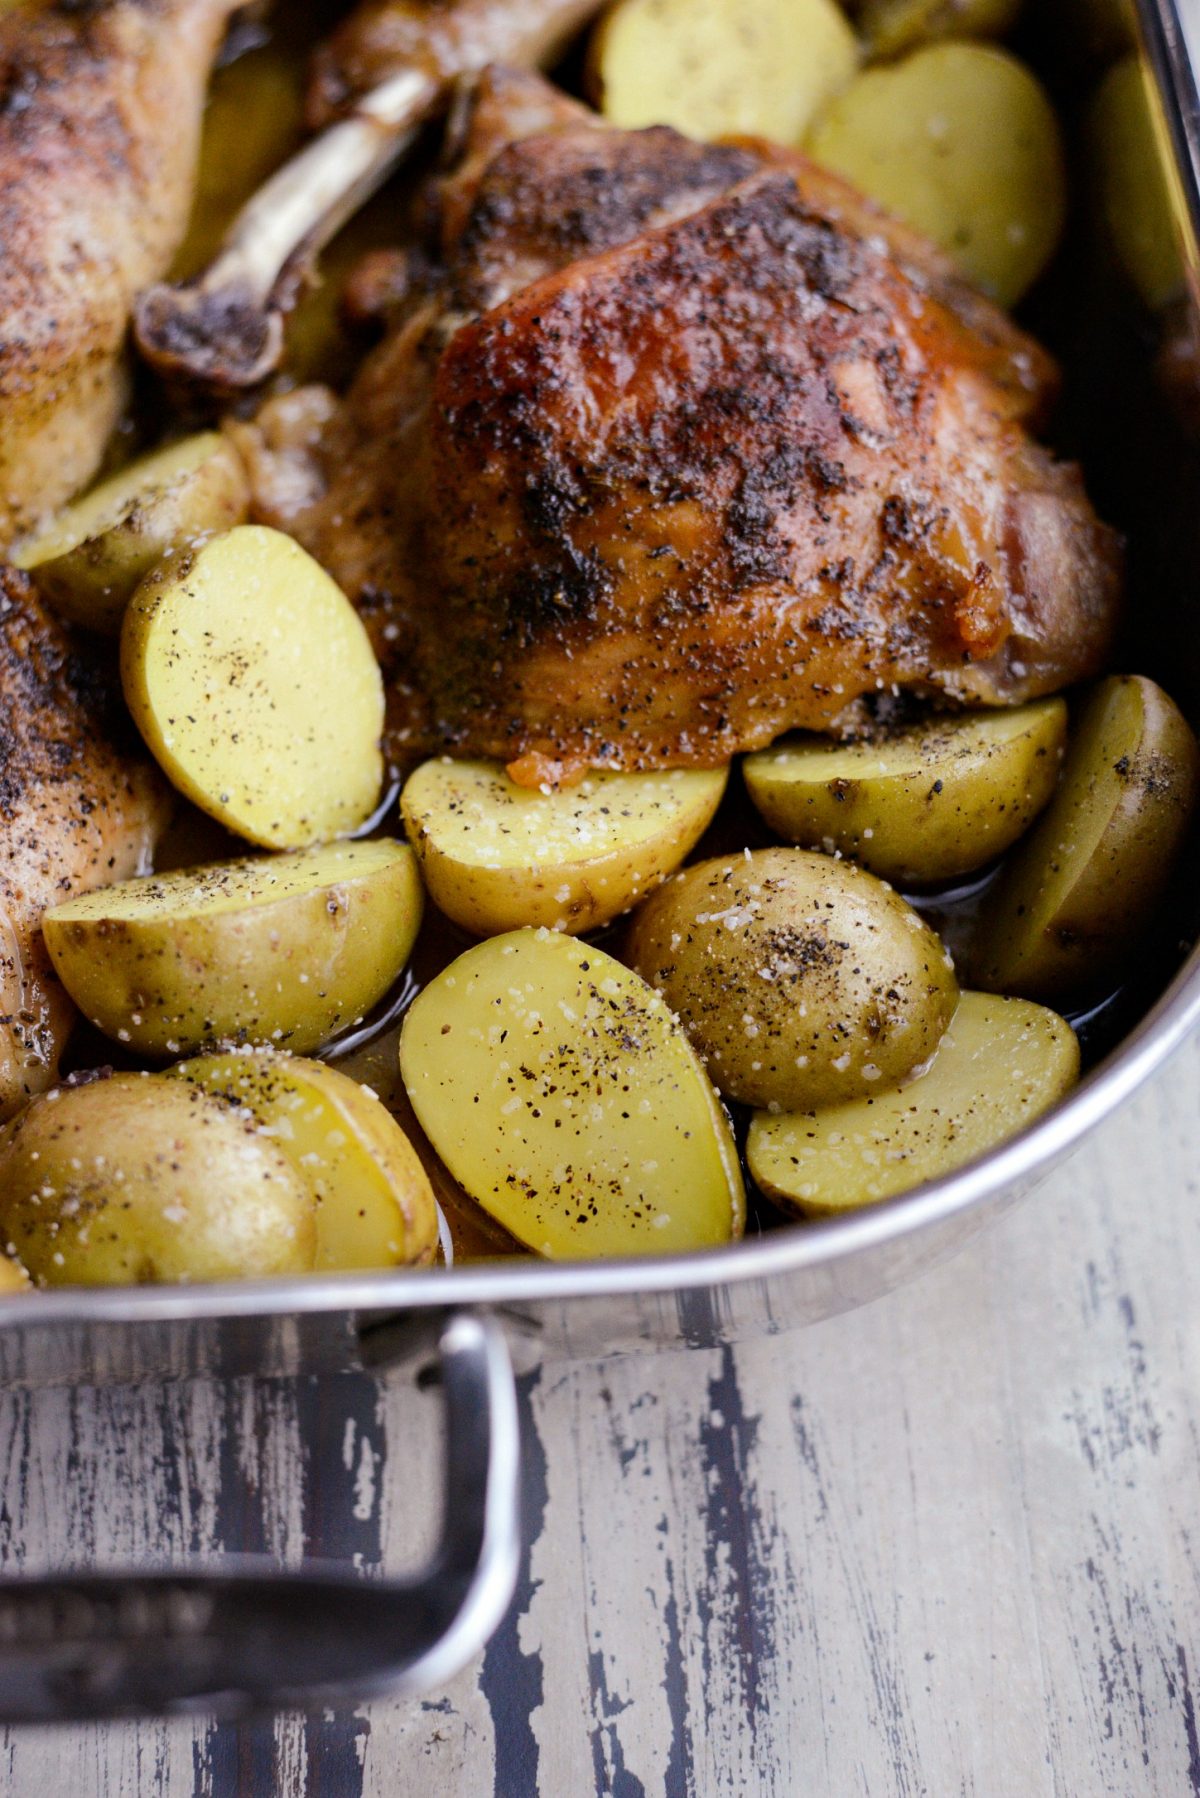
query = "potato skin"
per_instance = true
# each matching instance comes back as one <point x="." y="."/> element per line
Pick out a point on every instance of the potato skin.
<point x="1137" y="204"/>
<point x="374" y="1204"/>
<point x="496" y="856"/>
<point x="134" y="1179"/>
<point x="801" y="980"/>
<point x="130" y="523"/>
<point x="935" y="801"/>
<point x="291" y="971"/>
<point x="1068" y="906"/>
<point x="1001" y="1063"/>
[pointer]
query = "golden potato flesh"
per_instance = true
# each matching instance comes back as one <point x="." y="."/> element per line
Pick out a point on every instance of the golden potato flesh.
<point x="1141" y="204"/>
<point x="283" y="949"/>
<point x="1001" y="1063"/>
<point x="959" y="140"/>
<point x="1071" y="903"/>
<point x="922" y="806"/>
<point x="137" y="1178"/>
<point x="893" y="26"/>
<point x="565" y="1099"/>
<point x="496" y="856"/>
<point x="801" y="980"/>
<point x="92" y="555"/>
<point x="375" y="1206"/>
<point x="250" y="676"/>
<point x="715" y="67"/>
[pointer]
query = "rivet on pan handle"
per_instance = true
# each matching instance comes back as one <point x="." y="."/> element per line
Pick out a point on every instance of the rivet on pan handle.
<point x="80" y="1646"/>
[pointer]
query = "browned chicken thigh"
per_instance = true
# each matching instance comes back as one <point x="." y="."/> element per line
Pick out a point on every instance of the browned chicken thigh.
<point x="687" y="447"/>
<point x="100" y="107"/>
<point x="75" y="813"/>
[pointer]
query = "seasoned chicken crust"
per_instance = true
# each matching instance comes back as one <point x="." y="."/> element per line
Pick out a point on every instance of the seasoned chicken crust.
<point x="687" y="446"/>
<point x="100" y="107"/>
<point x="78" y="809"/>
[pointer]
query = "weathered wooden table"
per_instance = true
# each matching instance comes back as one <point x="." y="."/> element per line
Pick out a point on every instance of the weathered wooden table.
<point x="944" y="1545"/>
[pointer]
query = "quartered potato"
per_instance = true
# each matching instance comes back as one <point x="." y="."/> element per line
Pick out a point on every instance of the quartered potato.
<point x="1001" y="1063"/>
<point x="250" y="676"/>
<point x="1139" y="208"/>
<point x="91" y="556"/>
<point x="892" y="26"/>
<point x="1073" y="899"/>
<point x="924" y="805"/>
<point x="715" y="67"/>
<point x="375" y="1206"/>
<point x="800" y="979"/>
<point x="565" y="1099"/>
<point x="959" y="140"/>
<point x="278" y="949"/>
<point x="496" y="856"/>
<point x="137" y="1178"/>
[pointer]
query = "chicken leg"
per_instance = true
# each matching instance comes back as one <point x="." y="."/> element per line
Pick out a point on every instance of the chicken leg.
<point x="224" y="331"/>
<point x="100" y="109"/>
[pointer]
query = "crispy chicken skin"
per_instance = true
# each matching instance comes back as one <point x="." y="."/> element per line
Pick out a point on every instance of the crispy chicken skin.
<point x="689" y="447"/>
<point x="100" y="106"/>
<point x="76" y="812"/>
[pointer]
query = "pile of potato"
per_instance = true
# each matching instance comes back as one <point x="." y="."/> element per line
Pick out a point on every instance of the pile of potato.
<point x="565" y="1097"/>
<point x="950" y="133"/>
<point x="574" y="1093"/>
<point x="916" y="103"/>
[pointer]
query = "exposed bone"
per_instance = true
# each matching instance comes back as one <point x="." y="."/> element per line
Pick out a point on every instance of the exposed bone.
<point x="224" y="330"/>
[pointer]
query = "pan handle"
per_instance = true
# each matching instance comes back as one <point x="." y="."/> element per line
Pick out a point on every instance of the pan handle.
<point x="74" y="1647"/>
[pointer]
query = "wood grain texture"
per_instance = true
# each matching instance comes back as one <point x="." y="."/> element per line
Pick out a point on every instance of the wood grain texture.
<point x="945" y="1545"/>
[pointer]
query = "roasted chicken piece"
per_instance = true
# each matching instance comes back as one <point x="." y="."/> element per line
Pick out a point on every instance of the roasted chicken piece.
<point x="100" y="108"/>
<point x="688" y="446"/>
<point x="77" y="810"/>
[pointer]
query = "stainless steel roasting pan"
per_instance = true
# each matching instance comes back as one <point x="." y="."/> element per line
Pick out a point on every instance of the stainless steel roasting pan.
<point x="128" y="1643"/>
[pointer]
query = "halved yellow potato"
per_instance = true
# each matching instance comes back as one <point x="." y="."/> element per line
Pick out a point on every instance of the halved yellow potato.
<point x="1140" y="209"/>
<point x="137" y="1178"/>
<point x="1070" y="904"/>
<point x="375" y="1206"/>
<point x="250" y="676"/>
<point x="92" y="555"/>
<point x="565" y="1099"/>
<point x="716" y="67"/>
<point x="893" y="26"/>
<point x="1001" y="1063"/>
<point x="496" y="856"/>
<point x="931" y="802"/>
<point x="961" y="141"/>
<point x="801" y="980"/>
<point x="277" y="949"/>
